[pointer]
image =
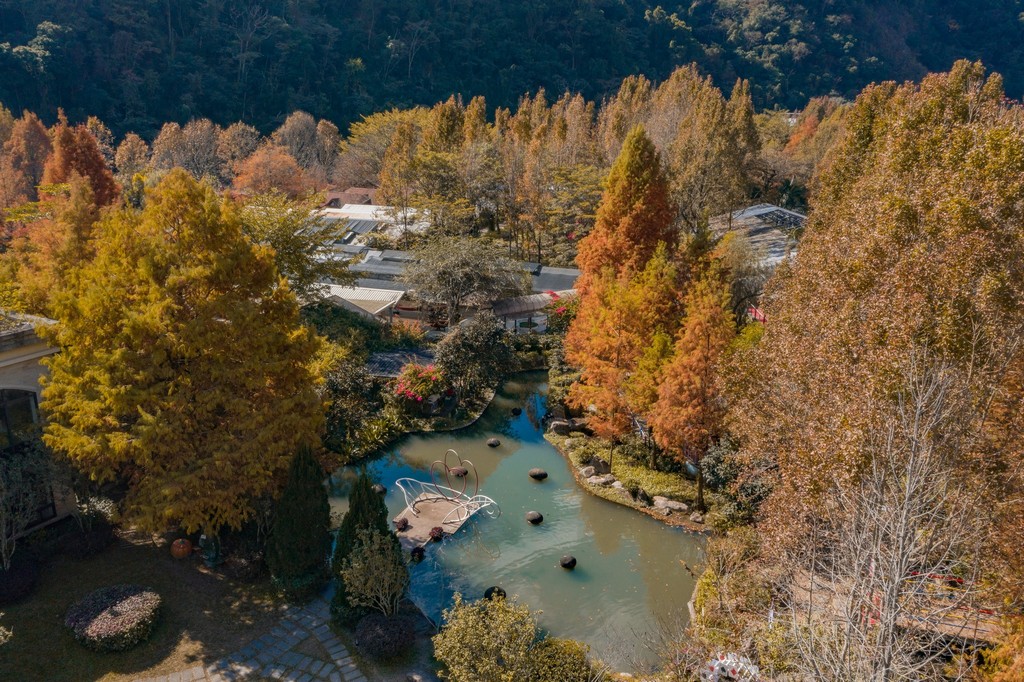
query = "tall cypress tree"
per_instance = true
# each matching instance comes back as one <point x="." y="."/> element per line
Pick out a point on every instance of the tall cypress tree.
<point x="300" y="540"/>
<point x="366" y="510"/>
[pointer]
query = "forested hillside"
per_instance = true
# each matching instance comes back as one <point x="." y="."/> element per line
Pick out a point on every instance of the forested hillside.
<point x="139" y="63"/>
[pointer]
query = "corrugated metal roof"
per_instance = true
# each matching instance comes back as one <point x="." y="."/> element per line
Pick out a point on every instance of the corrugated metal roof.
<point x="521" y="305"/>
<point x="390" y="363"/>
<point x="369" y="300"/>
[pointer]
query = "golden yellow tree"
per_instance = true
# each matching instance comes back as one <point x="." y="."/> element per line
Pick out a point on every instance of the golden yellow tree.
<point x="183" y="368"/>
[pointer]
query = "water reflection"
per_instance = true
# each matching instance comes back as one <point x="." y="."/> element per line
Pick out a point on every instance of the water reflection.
<point x="629" y="576"/>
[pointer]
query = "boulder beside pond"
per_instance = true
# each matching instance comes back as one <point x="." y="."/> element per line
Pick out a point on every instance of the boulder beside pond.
<point x="587" y="471"/>
<point x="672" y="505"/>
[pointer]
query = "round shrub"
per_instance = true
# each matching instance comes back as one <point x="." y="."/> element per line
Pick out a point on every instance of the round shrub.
<point x="114" y="618"/>
<point x="380" y="637"/>
<point x="19" y="580"/>
<point x="565" y="660"/>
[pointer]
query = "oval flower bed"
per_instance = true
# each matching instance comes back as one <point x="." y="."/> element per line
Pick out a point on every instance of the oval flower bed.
<point x="114" y="618"/>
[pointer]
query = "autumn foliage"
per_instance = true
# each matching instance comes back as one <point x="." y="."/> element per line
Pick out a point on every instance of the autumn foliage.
<point x="914" y="246"/>
<point x="184" y="368"/>
<point x="75" y="151"/>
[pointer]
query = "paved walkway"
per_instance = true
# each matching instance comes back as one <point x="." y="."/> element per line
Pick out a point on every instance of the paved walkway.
<point x="300" y="648"/>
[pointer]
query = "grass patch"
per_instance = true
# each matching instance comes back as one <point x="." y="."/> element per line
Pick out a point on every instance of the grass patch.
<point x="204" y="617"/>
<point x="674" y="486"/>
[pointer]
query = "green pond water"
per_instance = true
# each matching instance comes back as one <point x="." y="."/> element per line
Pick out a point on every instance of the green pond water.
<point x="629" y="582"/>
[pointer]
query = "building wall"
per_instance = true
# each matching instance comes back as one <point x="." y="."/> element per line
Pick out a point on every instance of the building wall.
<point x="21" y="353"/>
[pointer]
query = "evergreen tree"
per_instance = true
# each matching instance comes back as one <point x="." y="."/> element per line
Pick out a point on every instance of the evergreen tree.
<point x="300" y="540"/>
<point x="184" y="368"/>
<point x="366" y="511"/>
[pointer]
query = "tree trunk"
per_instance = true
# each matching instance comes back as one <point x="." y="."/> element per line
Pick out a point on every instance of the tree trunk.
<point x="701" y="507"/>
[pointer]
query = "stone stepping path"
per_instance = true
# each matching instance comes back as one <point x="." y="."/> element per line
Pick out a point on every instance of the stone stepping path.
<point x="285" y="653"/>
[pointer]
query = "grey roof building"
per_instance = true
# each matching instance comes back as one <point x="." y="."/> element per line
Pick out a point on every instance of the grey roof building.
<point x="772" y="231"/>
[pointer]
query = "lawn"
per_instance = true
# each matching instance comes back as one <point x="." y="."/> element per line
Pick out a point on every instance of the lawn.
<point x="205" y="616"/>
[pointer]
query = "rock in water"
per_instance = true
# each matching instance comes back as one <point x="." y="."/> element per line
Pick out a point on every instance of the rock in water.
<point x="493" y="442"/>
<point x="494" y="592"/>
<point x="568" y="562"/>
<point x="534" y="518"/>
<point x="538" y="474"/>
<point x="560" y="427"/>
<point x="516" y="411"/>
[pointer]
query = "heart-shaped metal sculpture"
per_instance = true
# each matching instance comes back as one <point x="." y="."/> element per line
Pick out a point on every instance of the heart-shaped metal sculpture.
<point x="454" y="467"/>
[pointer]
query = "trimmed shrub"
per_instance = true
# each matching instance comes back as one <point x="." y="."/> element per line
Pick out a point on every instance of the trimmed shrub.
<point x="300" y="540"/>
<point x="114" y="618"/>
<point x="375" y="574"/>
<point x="565" y="660"/>
<point x="381" y="637"/>
<point x="366" y="510"/>
<point x="20" y="579"/>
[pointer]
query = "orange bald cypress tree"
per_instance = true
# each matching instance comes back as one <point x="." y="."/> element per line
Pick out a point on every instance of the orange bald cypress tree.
<point x="635" y="214"/>
<point x="617" y="323"/>
<point x="688" y="416"/>
<point x="28" y="148"/>
<point x="627" y="286"/>
<point x="75" y="150"/>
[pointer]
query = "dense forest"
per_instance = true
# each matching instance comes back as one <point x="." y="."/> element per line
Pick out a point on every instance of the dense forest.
<point x="138" y="64"/>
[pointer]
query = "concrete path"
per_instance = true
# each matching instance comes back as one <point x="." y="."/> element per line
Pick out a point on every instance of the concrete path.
<point x="300" y="648"/>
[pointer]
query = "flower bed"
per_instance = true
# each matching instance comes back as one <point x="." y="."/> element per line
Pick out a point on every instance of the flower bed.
<point x="416" y="383"/>
<point x="114" y="618"/>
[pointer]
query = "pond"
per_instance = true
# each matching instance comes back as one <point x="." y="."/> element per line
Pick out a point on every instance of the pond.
<point x="629" y="581"/>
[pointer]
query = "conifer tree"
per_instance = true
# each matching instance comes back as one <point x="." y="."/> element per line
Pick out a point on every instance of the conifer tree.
<point x="619" y="320"/>
<point x="300" y="540"/>
<point x="366" y="512"/>
<point x="49" y="253"/>
<point x="366" y="509"/>
<point x="914" y="247"/>
<point x="184" y="368"/>
<point x="688" y="416"/>
<point x="635" y="215"/>
<point x="28" y="148"/>
<point x="75" y="150"/>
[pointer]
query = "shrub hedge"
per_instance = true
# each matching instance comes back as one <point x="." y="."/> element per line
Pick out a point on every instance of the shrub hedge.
<point x="114" y="618"/>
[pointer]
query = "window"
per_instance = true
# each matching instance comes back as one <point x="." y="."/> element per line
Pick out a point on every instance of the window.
<point x="19" y="416"/>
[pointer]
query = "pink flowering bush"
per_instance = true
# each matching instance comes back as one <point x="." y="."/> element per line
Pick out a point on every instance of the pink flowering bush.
<point x="416" y="383"/>
<point x="561" y="312"/>
<point x="114" y="618"/>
